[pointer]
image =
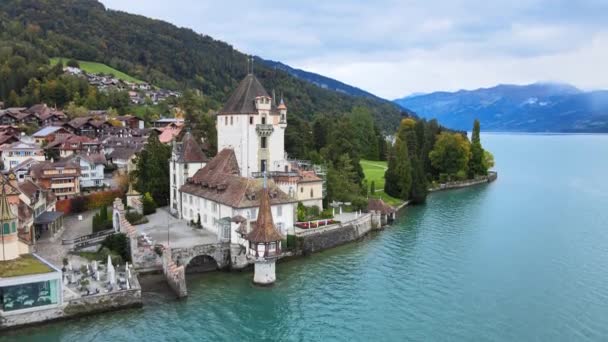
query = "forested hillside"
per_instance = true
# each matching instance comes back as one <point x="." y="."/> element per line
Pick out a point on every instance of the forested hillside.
<point x="154" y="51"/>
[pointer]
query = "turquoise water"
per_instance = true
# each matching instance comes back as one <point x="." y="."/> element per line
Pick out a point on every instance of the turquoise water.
<point x="524" y="258"/>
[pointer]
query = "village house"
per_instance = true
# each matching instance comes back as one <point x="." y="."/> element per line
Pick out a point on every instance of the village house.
<point x="66" y="145"/>
<point x="48" y="134"/>
<point x="17" y="152"/>
<point x="124" y="158"/>
<point x="87" y="126"/>
<point x="163" y="122"/>
<point x="36" y="284"/>
<point x="91" y="169"/>
<point x="61" y="177"/>
<point x="131" y="121"/>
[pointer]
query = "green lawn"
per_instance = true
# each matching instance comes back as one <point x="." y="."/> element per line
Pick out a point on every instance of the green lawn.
<point x="374" y="171"/>
<point x="97" y="68"/>
<point x="26" y="264"/>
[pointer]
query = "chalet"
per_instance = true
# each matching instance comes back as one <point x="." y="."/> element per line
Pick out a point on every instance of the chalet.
<point x="69" y="144"/>
<point x="8" y="139"/>
<point x="48" y="134"/>
<point x="46" y="116"/>
<point x="12" y="116"/>
<point x="10" y="130"/>
<point x="131" y="121"/>
<point x="87" y="126"/>
<point x="22" y="170"/>
<point x="61" y="177"/>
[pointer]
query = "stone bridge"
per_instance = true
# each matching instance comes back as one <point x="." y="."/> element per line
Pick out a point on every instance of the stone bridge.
<point x="219" y="252"/>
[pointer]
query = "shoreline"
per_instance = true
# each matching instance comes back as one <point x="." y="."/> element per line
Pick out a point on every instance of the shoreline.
<point x="313" y="242"/>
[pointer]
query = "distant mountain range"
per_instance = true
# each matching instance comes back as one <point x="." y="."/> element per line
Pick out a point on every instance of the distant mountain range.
<point x="538" y="107"/>
<point x="318" y="80"/>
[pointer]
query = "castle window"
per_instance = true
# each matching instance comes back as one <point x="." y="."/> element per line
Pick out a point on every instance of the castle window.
<point x="279" y="210"/>
<point x="14" y="227"/>
<point x="226" y="120"/>
<point x="263" y="142"/>
<point x="6" y="229"/>
<point x="251" y="120"/>
<point x="311" y="193"/>
<point x="231" y="120"/>
<point x="302" y="190"/>
<point x="263" y="120"/>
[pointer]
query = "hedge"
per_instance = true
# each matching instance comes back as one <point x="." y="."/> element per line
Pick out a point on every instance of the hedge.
<point x="95" y="200"/>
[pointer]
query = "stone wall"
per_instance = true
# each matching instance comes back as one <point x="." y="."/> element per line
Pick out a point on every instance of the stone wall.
<point x="79" y="307"/>
<point x="175" y="275"/>
<point x="315" y="241"/>
<point x="492" y="176"/>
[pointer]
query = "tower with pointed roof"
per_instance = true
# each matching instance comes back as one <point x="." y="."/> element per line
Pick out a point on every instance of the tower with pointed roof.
<point x="264" y="242"/>
<point x="186" y="159"/>
<point x="253" y="126"/>
<point x="8" y="227"/>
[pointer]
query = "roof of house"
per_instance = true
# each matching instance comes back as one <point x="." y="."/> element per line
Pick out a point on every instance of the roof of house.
<point x="7" y="138"/>
<point x="20" y="145"/>
<point x="45" y="131"/>
<point x="91" y="158"/>
<point x="242" y="100"/>
<point x="220" y="181"/>
<point x="189" y="151"/>
<point x="264" y="230"/>
<point x="169" y="133"/>
<point x="24" y="165"/>
<point x="123" y="153"/>
<point x="37" y="170"/>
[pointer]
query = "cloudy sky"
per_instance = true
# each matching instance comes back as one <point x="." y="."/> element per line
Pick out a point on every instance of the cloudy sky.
<point x="395" y="48"/>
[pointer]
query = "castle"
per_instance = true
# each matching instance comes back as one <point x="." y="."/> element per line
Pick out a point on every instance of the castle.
<point x="221" y="193"/>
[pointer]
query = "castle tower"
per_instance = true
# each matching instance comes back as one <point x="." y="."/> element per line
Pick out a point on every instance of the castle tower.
<point x="254" y="127"/>
<point x="8" y="227"/>
<point x="264" y="242"/>
<point x="187" y="157"/>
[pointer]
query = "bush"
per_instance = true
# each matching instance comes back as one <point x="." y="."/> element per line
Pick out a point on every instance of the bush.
<point x="102" y="221"/>
<point x="119" y="244"/>
<point x="149" y="204"/>
<point x="73" y="63"/>
<point x="135" y="218"/>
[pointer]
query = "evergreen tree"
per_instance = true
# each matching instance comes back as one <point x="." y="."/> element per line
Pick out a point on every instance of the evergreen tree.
<point x="476" y="162"/>
<point x="391" y="178"/>
<point x="403" y="168"/>
<point x="372" y="188"/>
<point x="152" y="172"/>
<point x="13" y="99"/>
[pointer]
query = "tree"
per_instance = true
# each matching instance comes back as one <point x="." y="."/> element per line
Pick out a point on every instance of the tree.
<point x="13" y="99"/>
<point x="403" y="168"/>
<point x="391" y="178"/>
<point x="73" y="63"/>
<point x="476" y="162"/>
<point x="149" y="206"/>
<point x="372" y="188"/>
<point x="488" y="160"/>
<point x="152" y="171"/>
<point x="450" y="154"/>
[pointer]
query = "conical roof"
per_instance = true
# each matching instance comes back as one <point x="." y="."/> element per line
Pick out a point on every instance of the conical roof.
<point x="6" y="214"/>
<point x="191" y="151"/>
<point x="264" y="230"/>
<point x="242" y="100"/>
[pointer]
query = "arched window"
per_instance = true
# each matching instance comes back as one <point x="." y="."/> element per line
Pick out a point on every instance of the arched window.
<point x="226" y="120"/>
<point x="311" y="193"/>
<point x="14" y="227"/>
<point x="6" y="229"/>
<point x="263" y="120"/>
<point x="231" y="120"/>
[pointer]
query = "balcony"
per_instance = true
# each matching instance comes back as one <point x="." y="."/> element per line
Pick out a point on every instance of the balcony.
<point x="264" y="130"/>
<point x="274" y="174"/>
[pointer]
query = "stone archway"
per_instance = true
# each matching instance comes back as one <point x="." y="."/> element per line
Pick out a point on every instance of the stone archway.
<point x="202" y="263"/>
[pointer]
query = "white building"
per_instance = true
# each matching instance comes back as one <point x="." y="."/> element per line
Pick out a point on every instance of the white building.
<point x="18" y="152"/>
<point x="254" y="127"/>
<point x="187" y="158"/>
<point x="91" y="169"/>
<point x="218" y="195"/>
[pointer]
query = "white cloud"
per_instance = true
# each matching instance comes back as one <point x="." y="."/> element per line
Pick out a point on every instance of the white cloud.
<point x="393" y="48"/>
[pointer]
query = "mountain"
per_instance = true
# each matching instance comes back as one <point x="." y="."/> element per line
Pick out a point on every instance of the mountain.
<point x="160" y="53"/>
<point x="319" y="80"/>
<point x="539" y="107"/>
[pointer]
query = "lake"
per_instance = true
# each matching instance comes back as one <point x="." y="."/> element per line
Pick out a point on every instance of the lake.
<point x="523" y="258"/>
